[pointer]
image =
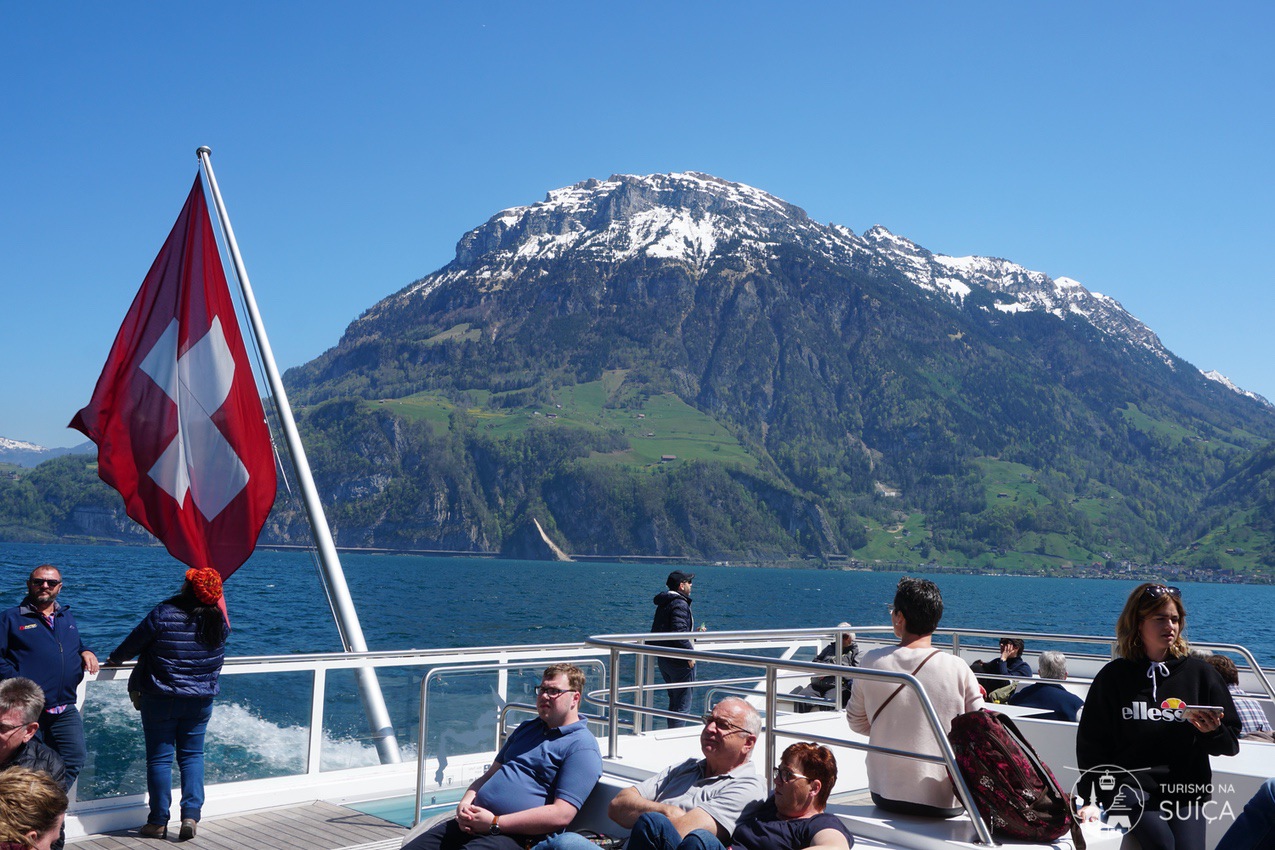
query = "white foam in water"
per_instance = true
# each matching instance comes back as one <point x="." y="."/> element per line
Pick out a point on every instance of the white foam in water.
<point x="240" y="744"/>
<point x="283" y="748"/>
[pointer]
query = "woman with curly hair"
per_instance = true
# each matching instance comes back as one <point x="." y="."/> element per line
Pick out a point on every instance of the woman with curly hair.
<point x="1139" y="725"/>
<point x="32" y="808"/>
<point x="180" y="647"/>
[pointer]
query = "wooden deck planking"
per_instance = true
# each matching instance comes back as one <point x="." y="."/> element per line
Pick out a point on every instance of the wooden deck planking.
<point x="312" y="826"/>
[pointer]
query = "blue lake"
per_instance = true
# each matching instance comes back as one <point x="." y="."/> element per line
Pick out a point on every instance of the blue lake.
<point x="277" y="605"/>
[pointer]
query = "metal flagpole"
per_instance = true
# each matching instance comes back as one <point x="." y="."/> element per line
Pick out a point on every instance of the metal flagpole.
<point x="347" y="619"/>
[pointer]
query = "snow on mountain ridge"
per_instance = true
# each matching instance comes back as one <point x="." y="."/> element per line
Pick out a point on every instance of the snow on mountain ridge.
<point x="689" y="216"/>
<point x="18" y="445"/>
<point x="682" y="216"/>
<point x="1214" y="375"/>
<point x="1019" y="289"/>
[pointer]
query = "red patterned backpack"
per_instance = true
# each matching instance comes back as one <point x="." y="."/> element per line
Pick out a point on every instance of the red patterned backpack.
<point x="1015" y="791"/>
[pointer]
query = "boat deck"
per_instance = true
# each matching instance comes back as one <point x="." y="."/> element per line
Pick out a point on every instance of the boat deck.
<point x="311" y="826"/>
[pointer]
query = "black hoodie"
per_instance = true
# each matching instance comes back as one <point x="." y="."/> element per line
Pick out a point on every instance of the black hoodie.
<point x="1131" y="720"/>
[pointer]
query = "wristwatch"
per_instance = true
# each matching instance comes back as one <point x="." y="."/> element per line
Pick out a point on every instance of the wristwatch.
<point x="495" y="827"/>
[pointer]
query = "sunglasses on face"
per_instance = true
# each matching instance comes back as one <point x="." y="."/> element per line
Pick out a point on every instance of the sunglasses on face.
<point x="1155" y="591"/>
<point x="44" y="582"/>
<point x="783" y="774"/>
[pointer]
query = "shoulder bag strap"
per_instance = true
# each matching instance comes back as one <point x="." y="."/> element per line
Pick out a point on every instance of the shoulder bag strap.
<point x="900" y="687"/>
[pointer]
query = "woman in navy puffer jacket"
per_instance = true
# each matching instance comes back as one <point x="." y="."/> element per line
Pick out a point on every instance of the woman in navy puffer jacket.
<point x="180" y="647"/>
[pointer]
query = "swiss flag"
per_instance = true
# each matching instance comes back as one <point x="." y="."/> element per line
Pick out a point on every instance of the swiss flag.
<point x="176" y="416"/>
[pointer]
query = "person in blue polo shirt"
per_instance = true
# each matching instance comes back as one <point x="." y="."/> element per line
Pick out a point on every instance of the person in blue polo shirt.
<point x="39" y="640"/>
<point x="539" y="780"/>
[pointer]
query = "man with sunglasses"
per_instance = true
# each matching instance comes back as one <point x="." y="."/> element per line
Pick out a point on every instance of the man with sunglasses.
<point x="711" y="794"/>
<point x="40" y="640"/>
<point x="538" y="781"/>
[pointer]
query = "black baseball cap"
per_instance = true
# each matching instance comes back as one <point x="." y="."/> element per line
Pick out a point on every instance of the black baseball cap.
<point x="676" y="577"/>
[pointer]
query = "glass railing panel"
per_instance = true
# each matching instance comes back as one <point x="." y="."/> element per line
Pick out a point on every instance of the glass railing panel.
<point x="259" y="729"/>
<point x="347" y="739"/>
<point x="116" y="764"/>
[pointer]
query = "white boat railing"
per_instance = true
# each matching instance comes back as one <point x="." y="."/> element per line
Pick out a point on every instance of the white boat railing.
<point x="312" y="699"/>
<point x="621" y="655"/>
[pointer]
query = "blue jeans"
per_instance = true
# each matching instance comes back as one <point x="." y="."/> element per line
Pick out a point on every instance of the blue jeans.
<point x="64" y="734"/>
<point x="565" y="841"/>
<point x="175" y="725"/>
<point x="654" y="831"/>
<point x="1255" y="827"/>
<point x="679" y="699"/>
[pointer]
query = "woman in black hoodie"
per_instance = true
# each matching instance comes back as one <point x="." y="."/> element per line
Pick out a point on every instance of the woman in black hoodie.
<point x="1136" y="723"/>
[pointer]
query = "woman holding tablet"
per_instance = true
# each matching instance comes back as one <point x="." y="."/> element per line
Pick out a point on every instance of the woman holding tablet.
<point x="1152" y="719"/>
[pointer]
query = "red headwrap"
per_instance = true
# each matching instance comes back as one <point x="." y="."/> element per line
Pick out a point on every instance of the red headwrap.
<point x="206" y="583"/>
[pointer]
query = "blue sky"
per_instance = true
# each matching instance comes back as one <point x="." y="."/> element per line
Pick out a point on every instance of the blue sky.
<point x="1126" y="145"/>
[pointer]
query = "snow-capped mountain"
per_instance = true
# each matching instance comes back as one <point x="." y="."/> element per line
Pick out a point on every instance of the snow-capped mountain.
<point x="686" y="217"/>
<point x="1214" y="375"/>
<point x="27" y="454"/>
<point x="1016" y="289"/>
<point x="692" y="218"/>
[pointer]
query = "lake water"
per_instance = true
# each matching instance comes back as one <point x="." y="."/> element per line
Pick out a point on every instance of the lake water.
<point x="277" y="606"/>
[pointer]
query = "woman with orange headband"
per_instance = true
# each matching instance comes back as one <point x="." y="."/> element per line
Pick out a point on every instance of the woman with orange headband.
<point x="180" y="647"/>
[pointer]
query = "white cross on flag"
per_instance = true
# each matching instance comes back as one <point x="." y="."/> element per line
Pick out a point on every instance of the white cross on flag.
<point x="176" y="416"/>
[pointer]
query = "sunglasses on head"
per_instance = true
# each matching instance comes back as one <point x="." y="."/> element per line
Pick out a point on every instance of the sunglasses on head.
<point x="1155" y="591"/>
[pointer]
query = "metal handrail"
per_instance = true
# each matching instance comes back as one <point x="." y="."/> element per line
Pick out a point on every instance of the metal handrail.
<point x="422" y="732"/>
<point x="771" y="667"/>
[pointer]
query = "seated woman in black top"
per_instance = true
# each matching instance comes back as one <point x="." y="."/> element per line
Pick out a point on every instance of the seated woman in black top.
<point x="794" y="817"/>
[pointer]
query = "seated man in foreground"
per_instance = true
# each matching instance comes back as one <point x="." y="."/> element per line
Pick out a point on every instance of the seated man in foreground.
<point x="792" y="819"/>
<point x="707" y="794"/>
<point x="539" y="780"/>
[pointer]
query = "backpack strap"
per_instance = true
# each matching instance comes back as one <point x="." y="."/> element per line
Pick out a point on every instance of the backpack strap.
<point x="900" y="687"/>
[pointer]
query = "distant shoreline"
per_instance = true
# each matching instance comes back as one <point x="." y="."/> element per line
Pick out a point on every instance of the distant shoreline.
<point x="1131" y="572"/>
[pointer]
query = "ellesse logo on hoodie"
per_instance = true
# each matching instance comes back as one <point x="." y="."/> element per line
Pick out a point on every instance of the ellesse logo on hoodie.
<point x="1171" y="709"/>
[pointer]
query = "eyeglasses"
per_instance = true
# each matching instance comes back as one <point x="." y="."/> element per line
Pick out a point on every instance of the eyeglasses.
<point x="44" y="582"/>
<point x="725" y="727"/>
<point x="783" y="774"/>
<point x="1155" y="591"/>
<point x="6" y="729"/>
<point x="551" y="693"/>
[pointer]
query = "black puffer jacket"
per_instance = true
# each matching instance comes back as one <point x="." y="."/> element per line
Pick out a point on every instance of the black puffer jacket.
<point x="34" y="755"/>
<point x="672" y="614"/>
<point x="172" y="661"/>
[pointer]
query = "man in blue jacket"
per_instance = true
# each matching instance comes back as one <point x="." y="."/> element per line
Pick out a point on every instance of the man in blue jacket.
<point x="1011" y="662"/>
<point x="39" y="640"/>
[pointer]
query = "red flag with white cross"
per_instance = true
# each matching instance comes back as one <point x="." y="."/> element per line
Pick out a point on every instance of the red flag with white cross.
<point x="176" y="415"/>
